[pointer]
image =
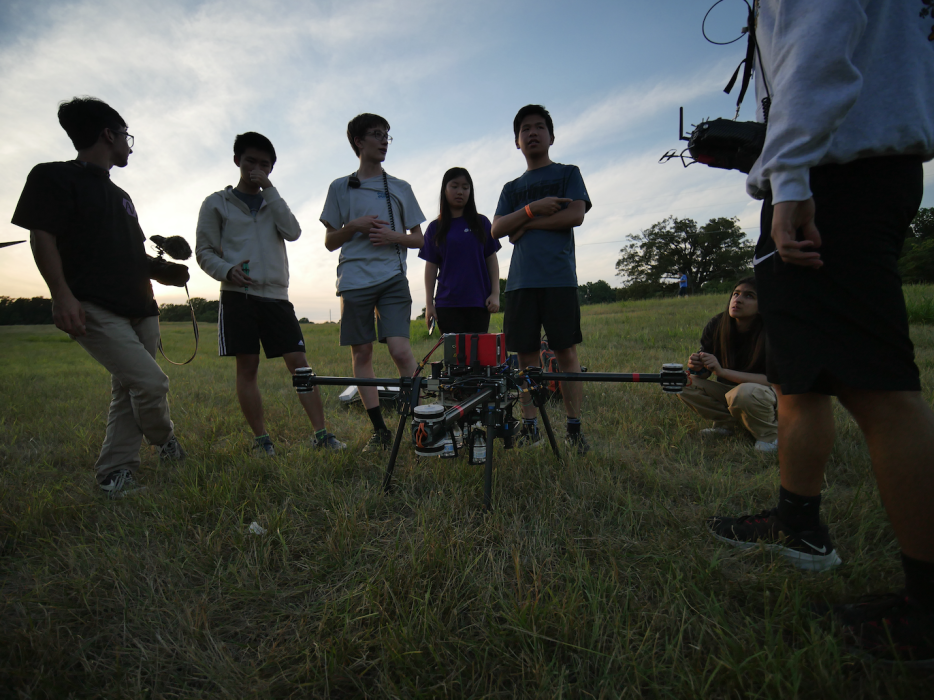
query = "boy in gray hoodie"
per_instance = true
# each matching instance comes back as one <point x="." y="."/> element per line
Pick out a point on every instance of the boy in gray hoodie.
<point x="241" y="239"/>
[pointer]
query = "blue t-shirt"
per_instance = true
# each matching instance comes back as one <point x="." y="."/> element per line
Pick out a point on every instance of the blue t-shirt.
<point x="253" y="201"/>
<point x="543" y="258"/>
<point x="463" y="277"/>
<point x="683" y="282"/>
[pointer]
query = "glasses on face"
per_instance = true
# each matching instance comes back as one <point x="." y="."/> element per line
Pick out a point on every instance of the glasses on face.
<point x="129" y="137"/>
<point x="379" y="136"/>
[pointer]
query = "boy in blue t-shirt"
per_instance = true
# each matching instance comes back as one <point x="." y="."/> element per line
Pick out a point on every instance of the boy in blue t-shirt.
<point x="538" y="212"/>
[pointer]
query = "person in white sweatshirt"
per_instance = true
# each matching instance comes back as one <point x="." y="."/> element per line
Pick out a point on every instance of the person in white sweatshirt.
<point x="241" y="239"/>
<point x="847" y="93"/>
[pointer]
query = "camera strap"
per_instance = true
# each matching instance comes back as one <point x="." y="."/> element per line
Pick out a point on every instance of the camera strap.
<point x="194" y="325"/>
<point x="747" y="64"/>
<point x="392" y="220"/>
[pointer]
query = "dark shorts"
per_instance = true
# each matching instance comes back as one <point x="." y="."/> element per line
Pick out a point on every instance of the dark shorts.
<point x="682" y="291"/>
<point x="388" y="305"/>
<point x="463" y="319"/>
<point x="556" y="309"/>
<point x="243" y="320"/>
<point x="846" y="323"/>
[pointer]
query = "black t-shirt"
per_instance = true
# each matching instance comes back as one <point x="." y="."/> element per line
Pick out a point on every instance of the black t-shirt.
<point x="743" y="347"/>
<point x="97" y="233"/>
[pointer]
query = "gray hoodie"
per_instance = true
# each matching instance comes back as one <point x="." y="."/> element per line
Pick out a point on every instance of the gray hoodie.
<point x="228" y="233"/>
<point x="849" y="79"/>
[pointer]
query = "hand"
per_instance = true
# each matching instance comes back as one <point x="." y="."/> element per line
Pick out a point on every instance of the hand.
<point x="710" y="362"/>
<point x="258" y="177"/>
<point x="68" y="315"/>
<point x="548" y="205"/>
<point x="518" y="233"/>
<point x="430" y="313"/>
<point x="365" y="223"/>
<point x="793" y="219"/>
<point x="492" y="303"/>
<point x="381" y="234"/>
<point x="694" y="362"/>
<point x="238" y="277"/>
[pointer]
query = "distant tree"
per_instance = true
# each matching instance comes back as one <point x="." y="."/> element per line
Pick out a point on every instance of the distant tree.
<point x="502" y="296"/>
<point x="421" y="315"/>
<point x="598" y="292"/>
<point x="205" y="311"/>
<point x="303" y="320"/>
<point x="716" y="252"/>
<point x="916" y="264"/>
<point x="34" y="311"/>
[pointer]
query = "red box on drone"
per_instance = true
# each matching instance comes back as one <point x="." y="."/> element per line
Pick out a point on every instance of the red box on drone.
<point x="474" y="349"/>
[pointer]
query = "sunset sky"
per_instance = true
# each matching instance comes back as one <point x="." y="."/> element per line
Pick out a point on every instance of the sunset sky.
<point x="448" y="76"/>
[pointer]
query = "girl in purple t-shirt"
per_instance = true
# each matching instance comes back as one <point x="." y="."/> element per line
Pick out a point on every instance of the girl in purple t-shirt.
<point x="460" y="254"/>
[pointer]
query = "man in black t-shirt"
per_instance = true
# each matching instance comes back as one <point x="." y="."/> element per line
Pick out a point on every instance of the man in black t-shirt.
<point x="88" y="245"/>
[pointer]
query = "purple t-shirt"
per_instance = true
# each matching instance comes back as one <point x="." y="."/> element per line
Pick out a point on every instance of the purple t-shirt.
<point x="463" y="278"/>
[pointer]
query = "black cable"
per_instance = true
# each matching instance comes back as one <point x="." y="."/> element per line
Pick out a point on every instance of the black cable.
<point x="721" y="43"/>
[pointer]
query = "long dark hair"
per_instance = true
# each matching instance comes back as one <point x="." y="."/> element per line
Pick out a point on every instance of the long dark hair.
<point x="473" y="219"/>
<point x="726" y="330"/>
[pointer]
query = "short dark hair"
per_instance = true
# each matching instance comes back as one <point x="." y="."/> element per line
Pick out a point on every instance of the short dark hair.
<point x="84" y="118"/>
<point x="251" y="139"/>
<point x="359" y="125"/>
<point x="529" y="110"/>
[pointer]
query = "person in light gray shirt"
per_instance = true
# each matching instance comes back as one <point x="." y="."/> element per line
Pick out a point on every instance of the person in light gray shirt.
<point x="373" y="218"/>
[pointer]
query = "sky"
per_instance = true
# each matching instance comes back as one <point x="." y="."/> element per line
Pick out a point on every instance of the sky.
<point x="448" y="76"/>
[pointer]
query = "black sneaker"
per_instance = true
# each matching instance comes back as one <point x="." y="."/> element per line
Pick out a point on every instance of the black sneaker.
<point x="890" y="629"/>
<point x="263" y="447"/>
<point x="577" y="441"/>
<point x="328" y="442"/>
<point x="809" y="550"/>
<point x="380" y="440"/>
<point x="172" y="452"/>
<point x="120" y="484"/>
<point x="529" y="437"/>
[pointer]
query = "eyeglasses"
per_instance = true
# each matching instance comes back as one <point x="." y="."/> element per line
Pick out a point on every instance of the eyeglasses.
<point x="129" y="137"/>
<point x="379" y="136"/>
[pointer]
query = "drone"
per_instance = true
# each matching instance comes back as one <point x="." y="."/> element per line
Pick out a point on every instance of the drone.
<point x="467" y="400"/>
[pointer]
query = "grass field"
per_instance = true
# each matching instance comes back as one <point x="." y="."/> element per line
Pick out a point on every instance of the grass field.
<point x="590" y="578"/>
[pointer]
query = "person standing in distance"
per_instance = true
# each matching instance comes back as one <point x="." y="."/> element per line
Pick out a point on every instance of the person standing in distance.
<point x="241" y="239"/>
<point x="373" y="219"/>
<point x="846" y="88"/>
<point x="88" y="246"/>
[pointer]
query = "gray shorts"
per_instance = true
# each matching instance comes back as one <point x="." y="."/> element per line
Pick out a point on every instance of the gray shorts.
<point x="393" y="305"/>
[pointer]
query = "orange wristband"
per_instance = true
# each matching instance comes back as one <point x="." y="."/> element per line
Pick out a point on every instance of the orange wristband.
<point x="528" y="211"/>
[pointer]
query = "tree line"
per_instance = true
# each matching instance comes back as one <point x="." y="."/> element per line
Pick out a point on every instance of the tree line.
<point x="713" y="256"/>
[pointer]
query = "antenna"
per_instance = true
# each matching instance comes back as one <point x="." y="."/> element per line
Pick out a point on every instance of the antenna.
<point x="681" y="136"/>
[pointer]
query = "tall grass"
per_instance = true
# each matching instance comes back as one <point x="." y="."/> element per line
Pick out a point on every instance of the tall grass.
<point x="919" y="300"/>
<point x="592" y="577"/>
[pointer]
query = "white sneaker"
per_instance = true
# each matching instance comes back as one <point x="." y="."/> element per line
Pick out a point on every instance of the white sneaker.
<point x="716" y="432"/>
<point x="762" y="446"/>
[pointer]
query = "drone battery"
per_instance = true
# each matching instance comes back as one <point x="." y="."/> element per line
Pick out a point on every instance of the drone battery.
<point x="427" y="418"/>
<point x="474" y="349"/>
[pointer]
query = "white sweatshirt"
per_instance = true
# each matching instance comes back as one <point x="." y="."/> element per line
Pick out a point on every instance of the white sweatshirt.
<point x="228" y="234"/>
<point x="848" y="79"/>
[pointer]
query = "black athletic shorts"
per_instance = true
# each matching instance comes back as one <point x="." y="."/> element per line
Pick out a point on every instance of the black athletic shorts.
<point x="243" y="320"/>
<point x="529" y="310"/>
<point x="463" y="319"/>
<point x="846" y="322"/>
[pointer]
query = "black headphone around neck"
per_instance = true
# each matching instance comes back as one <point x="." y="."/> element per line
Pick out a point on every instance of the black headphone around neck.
<point x="353" y="182"/>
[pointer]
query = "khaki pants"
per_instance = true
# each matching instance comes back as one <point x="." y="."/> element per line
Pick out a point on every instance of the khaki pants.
<point x="752" y="406"/>
<point x="126" y="347"/>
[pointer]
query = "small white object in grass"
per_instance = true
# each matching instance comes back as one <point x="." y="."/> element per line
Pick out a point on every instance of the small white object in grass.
<point x="257" y="529"/>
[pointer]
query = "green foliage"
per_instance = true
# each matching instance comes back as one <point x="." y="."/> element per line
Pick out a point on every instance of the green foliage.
<point x="18" y="312"/>
<point x="592" y="577"/>
<point x="919" y="301"/>
<point x="598" y="292"/>
<point x="717" y="252"/>
<point x="205" y="311"/>
<point x="916" y="264"/>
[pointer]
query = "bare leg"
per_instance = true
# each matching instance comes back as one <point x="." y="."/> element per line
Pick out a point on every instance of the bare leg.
<point x="899" y="429"/>
<point x="251" y="403"/>
<point x="311" y="401"/>
<point x="401" y="352"/>
<point x="362" y="356"/>
<point x="805" y="439"/>
<point x="572" y="392"/>
<point x="529" y="359"/>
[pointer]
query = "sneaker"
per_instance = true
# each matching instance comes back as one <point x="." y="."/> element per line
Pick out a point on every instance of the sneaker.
<point x="172" y="452"/>
<point x="767" y="447"/>
<point x="577" y="441"/>
<point x="809" y="550"/>
<point x="379" y="440"/>
<point x="262" y="447"/>
<point x="889" y="629"/>
<point x="328" y="442"/>
<point x="120" y="484"/>
<point x="528" y="437"/>
<point x="716" y="432"/>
